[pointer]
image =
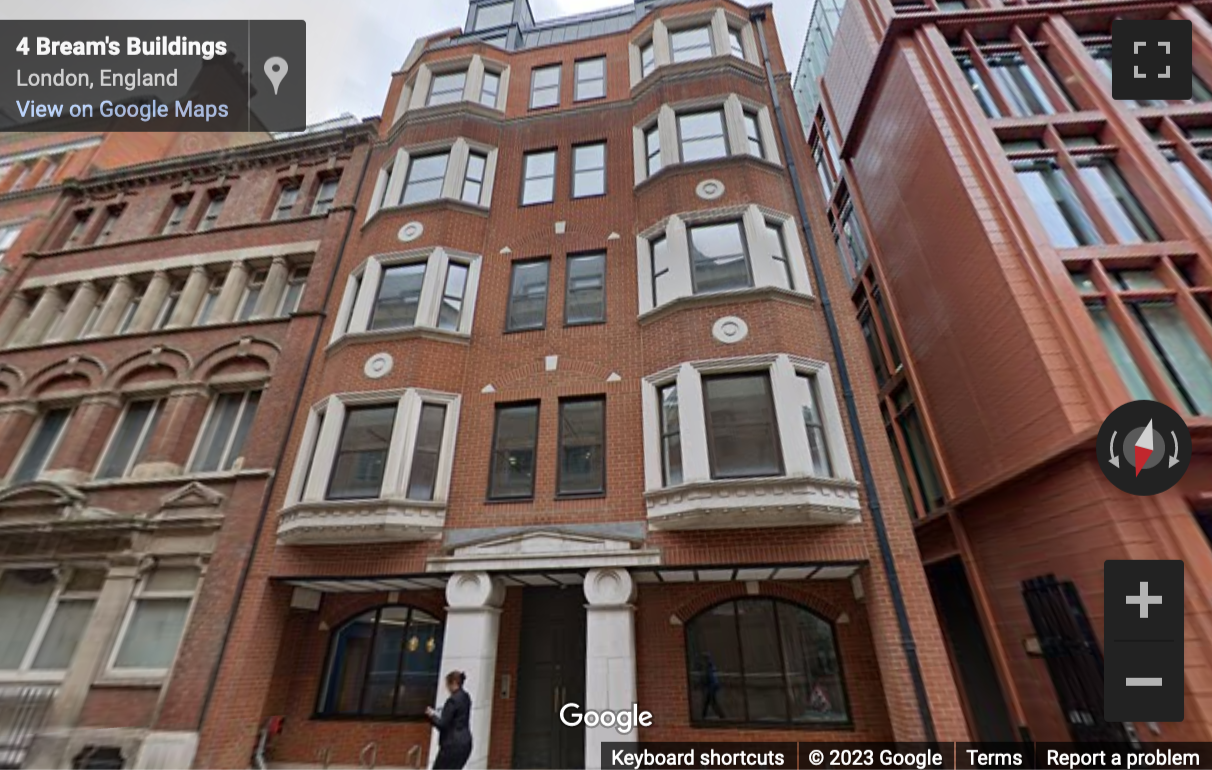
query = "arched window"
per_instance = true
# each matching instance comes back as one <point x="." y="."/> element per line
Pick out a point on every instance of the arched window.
<point x="383" y="664"/>
<point x="763" y="661"/>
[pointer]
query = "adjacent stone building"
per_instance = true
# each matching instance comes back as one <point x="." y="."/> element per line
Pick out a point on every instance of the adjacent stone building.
<point x="1024" y="254"/>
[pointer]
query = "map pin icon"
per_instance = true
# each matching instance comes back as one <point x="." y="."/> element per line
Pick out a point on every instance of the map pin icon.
<point x="275" y="70"/>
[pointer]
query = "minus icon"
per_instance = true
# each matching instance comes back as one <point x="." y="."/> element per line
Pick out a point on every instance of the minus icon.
<point x="1144" y="681"/>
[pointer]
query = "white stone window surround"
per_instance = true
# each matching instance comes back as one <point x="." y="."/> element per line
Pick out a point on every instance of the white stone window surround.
<point x="789" y="400"/>
<point x="720" y="21"/>
<point x="112" y="672"/>
<point x="362" y="290"/>
<point x="322" y="436"/>
<point x="665" y="120"/>
<point x="416" y="92"/>
<point x="25" y="673"/>
<point x="389" y="185"/>
<point x="768" y="272"/>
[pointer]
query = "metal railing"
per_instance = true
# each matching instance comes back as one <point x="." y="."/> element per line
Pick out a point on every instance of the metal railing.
<point x="22" y="710"/>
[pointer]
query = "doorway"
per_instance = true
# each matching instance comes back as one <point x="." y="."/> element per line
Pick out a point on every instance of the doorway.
<point x="970" y="651"/>
<point x="551" y="672"/>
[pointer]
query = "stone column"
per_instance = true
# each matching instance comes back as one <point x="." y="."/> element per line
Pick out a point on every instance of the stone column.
<point x="149" y="306"/>
<point x="610" y="678"/>
<point x="115" y="306"/>
<point x="229" y="296"/>
<point x="271" y="292"/>
<point x="78" y="309"/>
<point x="80" y="450"/>
<point x="15" y="423"/>
<point x="192" y="293"/>
<point x="473" y="619"/>
<point x="89" y="661"/>
<point x="39" y="321"/>
<point x="169" y="447"/>
<point x="17" y="309"/>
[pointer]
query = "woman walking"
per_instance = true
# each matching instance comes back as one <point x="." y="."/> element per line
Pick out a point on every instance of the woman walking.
<point x="454" y="732"/>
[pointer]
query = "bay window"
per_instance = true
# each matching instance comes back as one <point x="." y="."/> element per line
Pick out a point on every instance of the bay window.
<point x="690" y="44"/>
<point x="426" y="174"/>
<point x="446" y="88"/>
<point x="729" y="127"/>
<point x="361" y="456"/>
<point x="458" y="171"/>
<point x="742" y="432"/>
<point x="719" y="258"/>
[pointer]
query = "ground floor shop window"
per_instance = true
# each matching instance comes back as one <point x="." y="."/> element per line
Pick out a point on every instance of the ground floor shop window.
<point x="763" y="662"/>
<point x="383" y="664"/>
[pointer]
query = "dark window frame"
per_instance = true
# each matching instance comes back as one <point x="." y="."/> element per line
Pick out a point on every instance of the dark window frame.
<point x="690" y="251"/>
<point x="604" y="169"/>
<point x="776" y="434"/>
<point x="559" y="86"/>
<point x="568" y="291"/>
<point x="555" y="172"/>
<point x="718" y="110"/>
<point x="546" y="297"/>
<point x="560" y="493"/>
<point x="496" y="425"/>
<point x="408" y="178"/>
<point x="337" y="453"/>
<point x="576" y="78"/>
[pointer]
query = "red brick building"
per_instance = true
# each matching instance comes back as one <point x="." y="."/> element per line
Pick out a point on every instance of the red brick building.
<point x="1025" y="254"/>
<point x="577" y="426"/>
<point x="159" y="305"/>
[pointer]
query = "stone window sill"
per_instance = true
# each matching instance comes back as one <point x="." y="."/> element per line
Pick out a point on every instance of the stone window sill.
<point x="383" y="520"/>
<point x="779" y="501"/>
<point x="724" y="298"/>
<point x="409" y="332"/>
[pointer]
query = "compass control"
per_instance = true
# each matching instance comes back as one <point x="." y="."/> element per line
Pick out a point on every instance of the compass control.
<point x="1144" y="448"/>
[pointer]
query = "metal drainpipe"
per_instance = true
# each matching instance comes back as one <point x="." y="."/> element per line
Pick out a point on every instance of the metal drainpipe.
<point x="290" y="425"/>
<point x="843" y="375"/>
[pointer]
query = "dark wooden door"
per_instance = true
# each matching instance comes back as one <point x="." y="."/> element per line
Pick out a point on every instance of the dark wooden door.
<point x="551" y="672"/>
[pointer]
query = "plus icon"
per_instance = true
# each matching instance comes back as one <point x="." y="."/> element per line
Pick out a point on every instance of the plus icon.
<point x="1144" y="600"/>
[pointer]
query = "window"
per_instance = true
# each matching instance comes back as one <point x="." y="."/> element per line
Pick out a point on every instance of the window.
<point x="286" y="201"/>
<point x="361" y="456"/>
<point x="1019" y="85"/>
<point x="94" y="314"/>
<point x="399" y="297"/>
<point x="52" y="166"/>
<point x="112" y="213"/>
<point x="760" y="661"/>
<point x="671" y="435"/>
<point x="585" y="292"/>
<point x="450" y="311"/>
<point x="423" y="478"/>
<point x="647" y="59"/>
<point x="538" y="177"/>
<point x="545" y="86"/>
<point x="921" y="458"/>
<point x="130" y="438"/>
<point x="292" y="295"/>
<point x="8" y="236"/>
<point x="213" y="209"/>
<point x="426" y="174"/>
<point x="1190" y="184"/>
<point x="774" y="232"/>
<point x="79" y="226"/>
<point x="719" y="260"/>
<point x="590" y="77"/>
<point x="326" y="193"/>
<point x="527" y="296"/>
<point x="490" y="90"/>
<point x="23" y="173"/>
<point x="582" y="469"/>
<point x="447" y="88"/>
<point x="44" y="618"/>
<point x="221" y="443"/>
<point x="175" y="286"/>
<point x="207" y="306"/>
<point x="176" y="215"/>
<point x="489" y="16"/>
<point x="252" y="294"/>
<point x="1057" y="205"/>
<point x="662" y="288"/>
<point x="132" y="307"/>
<point x="384" y="662"/>
<point x="980" y="89"/>
<point x="735" y="46"/>
<point x="753" y="135"/>
<point x="514" y="443"/>
<point x="814" y="426"/>
<point x="852" y="244"/>
<point x="589" y="170"/>
<point x="156" y="620"/>
<point x="473" y="180"/>
<point x="742" y="433"/>
<point x="690" y="44"/>
<point x="1115" y="200"/>
<point x="652" y="146"/>
<point x="41" y="445"/>
<point x="702" y="135"/>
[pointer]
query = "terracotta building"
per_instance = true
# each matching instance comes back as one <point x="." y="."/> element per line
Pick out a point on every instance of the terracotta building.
<point x="578" y="425"/>
<point x="158" y="308"/>
<point x="1025" y="254"/>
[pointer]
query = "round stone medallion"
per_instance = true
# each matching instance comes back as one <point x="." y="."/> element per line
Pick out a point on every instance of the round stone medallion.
<point x="730" y="330"/>
<point x="378" y="365"/>
<point x="709" y="189"/>
<point x="411" y="231"/>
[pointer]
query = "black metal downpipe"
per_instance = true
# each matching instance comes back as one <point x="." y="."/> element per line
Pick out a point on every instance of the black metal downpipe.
<point x="843" y="375"/>
<point x="263" y="514"/>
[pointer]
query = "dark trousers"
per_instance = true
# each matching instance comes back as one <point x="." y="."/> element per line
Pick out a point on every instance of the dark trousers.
<point x="452" y="757"/>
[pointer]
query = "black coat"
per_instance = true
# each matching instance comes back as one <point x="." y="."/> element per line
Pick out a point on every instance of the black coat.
<point x="454" y="732"/>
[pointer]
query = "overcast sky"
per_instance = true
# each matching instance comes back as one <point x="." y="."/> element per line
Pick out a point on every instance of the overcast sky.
<point x="353" y="46"/>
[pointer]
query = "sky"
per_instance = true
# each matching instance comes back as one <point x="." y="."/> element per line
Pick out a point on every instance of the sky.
<point x="354" y="45"/>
